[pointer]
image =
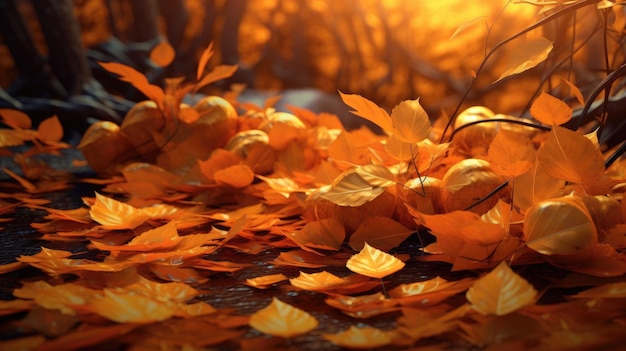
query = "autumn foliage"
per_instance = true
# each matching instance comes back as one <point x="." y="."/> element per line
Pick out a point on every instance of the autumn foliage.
<point x="186" y="176"/>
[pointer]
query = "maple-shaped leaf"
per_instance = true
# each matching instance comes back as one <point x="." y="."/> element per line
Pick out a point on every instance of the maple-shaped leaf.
<point x="501" y="292"/>
<point x="549" y="110"/>
<point x="162" y="54"/>
<point x="559" y="226"/>
<point x="128" y="307"/>
<point x="15" y="119"/>
<point x="536" y="185"/>
<point x="527" y="54"/>
<point x="137" y="80"/>
<point x="381" y="232"/>
<point x="360" y="337"/>
<point x="374" y="263"/>
<point x="410" y="121"/>
<point x="511" y="154"/>
<point x="350" y="189"/>
<point x="370" y="111"/>
<point x="113" y="214"/>
<point x="50" y="130"/>
<point x="282" y="319"/>
<point x="569" y="156"/>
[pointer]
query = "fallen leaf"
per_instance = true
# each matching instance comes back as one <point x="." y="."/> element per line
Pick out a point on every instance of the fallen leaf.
<point x="281" y="319"/>
<point x="360" y="338"/>
<point x="374" y="263"/>
<point x="381" y="232"/>
<point x="370" y="111"/>
<point x="113" y="214"/>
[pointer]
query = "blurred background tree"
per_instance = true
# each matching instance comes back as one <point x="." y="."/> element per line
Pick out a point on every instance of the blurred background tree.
<point x="387" y="51"/>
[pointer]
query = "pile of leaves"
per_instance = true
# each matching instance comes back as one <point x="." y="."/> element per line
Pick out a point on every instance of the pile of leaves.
<point x="184" y="180"/>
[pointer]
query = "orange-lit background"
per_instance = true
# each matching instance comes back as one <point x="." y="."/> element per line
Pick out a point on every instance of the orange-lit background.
<point x="386" y="50"/>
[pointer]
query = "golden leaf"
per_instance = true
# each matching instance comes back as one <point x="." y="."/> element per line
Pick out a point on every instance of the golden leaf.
<point x="526" y="55"/>
<point x="549" y="110"/>
<point x="360" y="338"/>
<point x="536" y="185"/>
<point x="317" y="281"/>
<point x="511" y="154"/>
<point x="113" y="214"/>
<point x="265" y="281"/>
<point x="370" y="111"/>
<point x="350" y="189"/>
<point x="570" y="156"/>
<point x="500" y="292"/>
<point x="374" y="263"/>
<point x="281" y="319"/>
<point x="376" y="175"/>
<point x="129" y="307"/>
<point x="400" y="150"/>
<point x="559" y="226"/>
<point x="410" y="121"/>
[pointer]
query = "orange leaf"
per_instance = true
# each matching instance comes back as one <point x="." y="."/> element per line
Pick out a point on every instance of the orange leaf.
<point x="325" y="234"/>
<point x="604" y="291"/>
<point x="382" y="232"/>
<point x="129" y="307"/>
<point x="162" y="54"/>
<point x="570" y="156"/>
<point x="374" y="263"/>
<point x="370" y="111"/>
<point x="15" y="119"/>
<point x="350" y="189"/>
<point x="237" y="176"/>
<point x="360" y="338"/>
<point x="50" y="130"/>
<point x="560" y="226"/>
<point x="281" y="319"/>
<point x="265" y="281"/>
<point x="137" y="80"/>
<point x="536" y="185"/>
<point x="429" y="292"/>
<point x="204" y="59"/>
<point x="410" y="121"/>
<point x="511" y="154"/>
<point x="527" y="54"/>
<point x="219" y="72"/>
<point x="400" y="150"/>
<point x="113" y="214"/>
<point x="549" y="110"/>
<point x="319" y="281"/>
<point x="501" y="292"/>
<point x="160" y="238"/>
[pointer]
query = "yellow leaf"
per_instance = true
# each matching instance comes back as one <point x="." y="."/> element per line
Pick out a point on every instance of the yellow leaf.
<point x="464" y="26"/>
<point x="360" y="338"/>
<point x="113" y="214"/>
<point x="500" y="292"/>
<point x="376" y="175"/>
<point x="370" y="111"/>
<point x="549" y="110"/>
<point x="281" y="319"/>
<point x="559" y="226"/>
<point x="350" y="189"/>
<point x="511" y="154"/>
<point x="410" y="121"/>
<point x="129" y="307"/>
<point x="162" y="54"/>
<point x="570" y="156"/>
<point x="374" y="263"/>
<point x="317" y="281"/>
<point x="536" y="185"/>
<point x="526" y="55"/>
<point x="382" y="232"/>
<point x="400" y="150"/>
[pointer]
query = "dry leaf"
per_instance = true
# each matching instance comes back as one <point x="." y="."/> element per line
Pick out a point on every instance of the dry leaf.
<point x="511" y="154"/>
<point x="324" y="234"/>
<point x="137" y="80"/>
<point x="350" y="189"/>
<point x="237" y="176"/>
<point x="374" y="263"/>
<point x="549" y="110"/>
<point x="281" y="319"/>
<point x="15" y="119"/>
<point x="410" y="122"/>
<point x="360" y="338"/>
<point x="162" y="54"/>
<point x="526" y="55"/>
<point x="50" y="130"/>
<point x="370" y="111"/>
<point x="381" y="232"/>
<point x="265" y="281"/>
<point x="500" y="292"/>
<point x="113" y="214"/>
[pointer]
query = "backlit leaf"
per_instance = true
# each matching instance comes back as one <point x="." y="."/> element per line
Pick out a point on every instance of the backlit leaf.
<point x="501" y="292"/>
<point x="549" y="110"/>
<point x="410" y="121"/>
<point x="360" y="338"/>
<point x="511" y="154"/>
<point x="400" y="150"/>
<point x="162" y="54"/>
<point x="374" y="263"/>
<point x="526" y="55"/>
<point x="466" y="25"/>
<point x="376" y="175"/>
<point x="536" y="185"/>
<point x="128" y="307"/>
<point x="370" y="111"/>
<point x="316" y="281"/>
<point x="113" y="214"/>
<point x="204" y="59"/>
<point x="569" y="156"/>
<point x="281" y="319"/>
<point x="136" y="79"/>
